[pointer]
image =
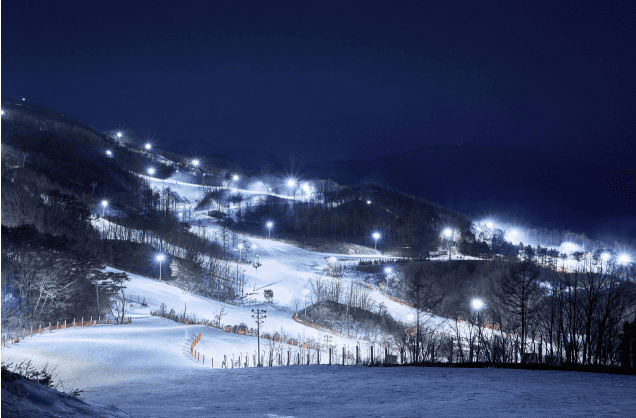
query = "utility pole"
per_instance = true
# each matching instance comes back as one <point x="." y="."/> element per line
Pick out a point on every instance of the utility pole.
<point x="94" y="184"/>
<point x="24" y="155"/>
<point x="259" y="316"/>
<point x="328" y="342"/>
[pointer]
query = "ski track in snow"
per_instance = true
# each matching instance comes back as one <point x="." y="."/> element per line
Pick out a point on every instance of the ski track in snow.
<point x="145" y="368"/>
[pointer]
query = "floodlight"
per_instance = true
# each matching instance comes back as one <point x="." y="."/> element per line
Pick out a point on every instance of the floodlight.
<point x="448" y="232"/>
<point x="195" y="162"/>
<point x="368" y="202"/>
<point x="148" y="146"/>
<point x="235" y="177"/>
<point x="477" y="304"/>
<point x="387" y="270"/>
<point x="291" y="183"/>
<point x="109" y="152"/>
<point x="623" y="259"/>
<point x="376" y="235"/>
<point x="160" y="257"/>
<point x="605" y="256"/>
<point x="151" y="171"/>
<point x="119" y="134"/>
<point x="489" y="224"/>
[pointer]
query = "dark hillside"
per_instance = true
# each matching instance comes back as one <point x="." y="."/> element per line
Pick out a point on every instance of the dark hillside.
<point x="546" y="189"/>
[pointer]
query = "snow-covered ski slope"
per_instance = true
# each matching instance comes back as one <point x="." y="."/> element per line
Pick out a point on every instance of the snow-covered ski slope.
<point x="146" y="367"/>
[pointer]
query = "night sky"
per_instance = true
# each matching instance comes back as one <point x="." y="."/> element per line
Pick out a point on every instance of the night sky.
<point x="334" y="81"/>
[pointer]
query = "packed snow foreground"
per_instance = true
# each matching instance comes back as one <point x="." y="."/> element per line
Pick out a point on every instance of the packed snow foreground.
<point x="147" y="367"/>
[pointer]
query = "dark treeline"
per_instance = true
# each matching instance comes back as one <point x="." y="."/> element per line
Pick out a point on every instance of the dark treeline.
<point x="585" y="316"/>
<point x="407" y="224"/>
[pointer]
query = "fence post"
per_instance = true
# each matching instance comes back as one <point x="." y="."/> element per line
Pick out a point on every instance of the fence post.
<point x="343" y="356"/>
<point x="50" y="327"/>
<point x="31" y="330"/>
<point x="357" y="355"/>
<point x="330" y="356"/>
<point x="372" y="355"/>
<point x="288" y="356"/>
<point x="82" y="323"/>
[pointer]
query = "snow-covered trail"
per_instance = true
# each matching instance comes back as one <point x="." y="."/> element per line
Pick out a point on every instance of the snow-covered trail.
<point x="145" y="369"/>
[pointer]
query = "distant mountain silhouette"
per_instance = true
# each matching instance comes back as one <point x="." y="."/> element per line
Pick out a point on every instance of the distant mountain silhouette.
<point x="545" y="189"/>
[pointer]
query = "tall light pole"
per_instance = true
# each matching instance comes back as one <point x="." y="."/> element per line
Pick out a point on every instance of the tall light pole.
<point x="376" y="236"/>
<point x="269" y="229"/>
<point x="240" y="247"/>
<point x="388" y="272"/>
<point x="160" y="259"/>
<point x="477" y="305"/>
<point x="448" y="233"/>
<point x="328" y="342"/>
<point x="104" y="204"/>
<point x="259" y="317"/>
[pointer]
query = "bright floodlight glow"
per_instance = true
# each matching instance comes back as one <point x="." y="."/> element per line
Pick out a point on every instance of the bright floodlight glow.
<point x="623" y="259"/>
<point x="148" y="146"/>
<point x="376" y="235"/>
<point x="119" y="134"/>
<point x="513" y="232"/>
<point x="151" y="171"/>
<point x="605" y="256"/>
<point x="448" y="232"/>
<point x="160" y="258"/>
<point x="368" y="202"/>
<point x="235" y="177"/>
<point x="489" y="224"/>
<point x="477" y="304"/>
<point x="387" y="270"/>
<point x="291" y="183"/>
<point x="109" y="152"/>
<point x="269" y="224"/>
<point x="104" y="203"/>
<point x="569" y="247"/>
<point x="240" y="246"/>
<point x="1" y="112"/>
<point x="195" y="162"/>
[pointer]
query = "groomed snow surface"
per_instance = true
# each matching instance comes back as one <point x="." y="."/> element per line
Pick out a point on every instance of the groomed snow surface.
<point x="145" y="369"/>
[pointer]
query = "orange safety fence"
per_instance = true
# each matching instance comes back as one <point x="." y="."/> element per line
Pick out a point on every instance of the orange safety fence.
<point x="14" y="337"/>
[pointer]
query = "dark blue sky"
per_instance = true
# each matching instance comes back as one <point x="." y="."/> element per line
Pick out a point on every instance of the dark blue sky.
<point x="334" y="81"/>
